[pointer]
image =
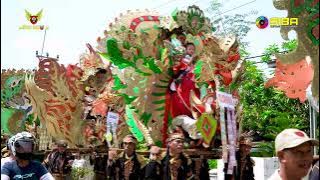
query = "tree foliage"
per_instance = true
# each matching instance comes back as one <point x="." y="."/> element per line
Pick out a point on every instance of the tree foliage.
<point x="286" y="46"/>
<point x="268" y="111"/>
<point x="237" y="24"/>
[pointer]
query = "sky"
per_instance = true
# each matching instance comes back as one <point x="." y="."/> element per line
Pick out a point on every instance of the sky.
<point x="73" y="23"/>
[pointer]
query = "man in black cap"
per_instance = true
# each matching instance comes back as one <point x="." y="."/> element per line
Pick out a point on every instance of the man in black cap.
<point x="59" y="161"/>
<point x="129" y="165"/>
<point x="176" y="165"/>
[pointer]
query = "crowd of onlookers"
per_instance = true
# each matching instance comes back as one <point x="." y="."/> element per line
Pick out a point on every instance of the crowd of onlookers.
<point x="294" y="150"/>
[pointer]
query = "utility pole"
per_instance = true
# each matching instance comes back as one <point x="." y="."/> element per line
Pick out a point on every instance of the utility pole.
<point x="44" y="39"/>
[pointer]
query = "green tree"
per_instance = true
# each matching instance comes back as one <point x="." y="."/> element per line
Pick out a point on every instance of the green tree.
<point x="267" y="111"/>
<point x="237" y="24"/>
<point x="274" y="48"/>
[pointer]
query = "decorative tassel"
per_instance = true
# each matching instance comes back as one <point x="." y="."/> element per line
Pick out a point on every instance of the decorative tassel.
<point x="223" y="135"/>
<point x="231" y="137"/>
<point x="233" y="145"/>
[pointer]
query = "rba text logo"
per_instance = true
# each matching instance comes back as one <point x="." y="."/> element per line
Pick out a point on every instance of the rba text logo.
<point x="278" y="21"/>
<point x="33" y="19"/>
<point x="263" y="22"/>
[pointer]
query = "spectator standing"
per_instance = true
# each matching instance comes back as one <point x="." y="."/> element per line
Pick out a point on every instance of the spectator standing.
<point x="153" y="168"/>
<point x="176" y="164"/>
<point x="129" y="164"/>
<point x="294" y="150"/>
<point x="59" y="161"/>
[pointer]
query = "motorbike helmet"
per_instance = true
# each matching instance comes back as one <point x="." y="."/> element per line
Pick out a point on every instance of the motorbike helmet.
<point x="23" y="145"/>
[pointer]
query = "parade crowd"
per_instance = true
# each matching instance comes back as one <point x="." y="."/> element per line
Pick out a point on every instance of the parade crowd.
<point x="293" y="148"/>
